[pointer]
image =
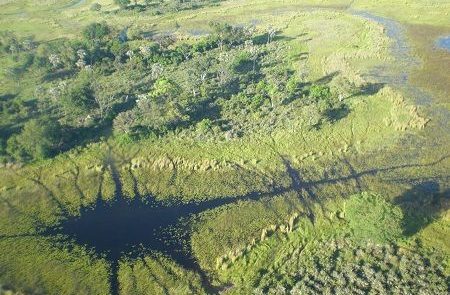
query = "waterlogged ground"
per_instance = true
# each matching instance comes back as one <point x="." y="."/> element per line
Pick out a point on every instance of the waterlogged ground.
<point x="155" y="218"/>
<point x="444" y="43"/>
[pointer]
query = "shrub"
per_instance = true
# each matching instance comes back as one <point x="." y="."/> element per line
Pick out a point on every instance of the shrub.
<point x="79" y="98"/>
<point x="319" y="92"/>
<point x="204" y="126"/>
<point x="96" y="31"/>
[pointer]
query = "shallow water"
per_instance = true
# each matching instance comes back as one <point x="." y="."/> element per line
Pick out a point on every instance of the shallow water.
<point x="444" y="43"/>
<point x="397" y="73"/>
<point x="131" y="227"/>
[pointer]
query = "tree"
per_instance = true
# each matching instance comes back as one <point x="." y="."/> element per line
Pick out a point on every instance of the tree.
<point x="96" y="31"/>
<point x="253" y="50"/>
<point x="271" y="33"/>
<point x="198" y="72"/>
<point x="122" y="3"/>
<point x="39" y="139"/>
<point x="79" y="98"/>
<point x="164" y="90"/>
<point x="125" y="122"/>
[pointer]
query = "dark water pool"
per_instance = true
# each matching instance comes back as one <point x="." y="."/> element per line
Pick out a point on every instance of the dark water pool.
<point x="129" y="228"/>
<point x="125" y="227"/>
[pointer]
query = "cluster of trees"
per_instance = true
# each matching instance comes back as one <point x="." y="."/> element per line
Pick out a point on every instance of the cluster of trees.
<point x="39" y="139"/>
<point x="141" y="87"/>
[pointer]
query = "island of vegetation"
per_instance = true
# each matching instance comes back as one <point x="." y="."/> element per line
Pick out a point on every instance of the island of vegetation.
<point x="224" y="147"/>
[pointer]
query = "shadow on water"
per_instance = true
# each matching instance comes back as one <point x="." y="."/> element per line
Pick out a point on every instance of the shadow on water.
<point x="130" y="227"/>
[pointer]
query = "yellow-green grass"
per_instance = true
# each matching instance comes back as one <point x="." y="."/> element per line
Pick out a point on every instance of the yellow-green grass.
<point x="157" y="275"/>
<point x="38" y="264"/>
<point x="370" y="136"/>
<point x="337" y="221"/>
<point x="50" y="21"/>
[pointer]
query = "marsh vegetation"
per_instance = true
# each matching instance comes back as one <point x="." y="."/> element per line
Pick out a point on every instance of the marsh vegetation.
<point x="192" y="147"/>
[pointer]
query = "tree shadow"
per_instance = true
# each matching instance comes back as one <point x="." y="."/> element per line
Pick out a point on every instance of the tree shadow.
<point x="338" y="113"/>
<point x="135" y="227"/>
<point x="266" y="39"/>
<point x="300" y="56"/>
<point x="370" y="88"/>
<point x="422" y="204"/>
<point x="60" y="74"/>
<point x="7" y="96"/>
<point x="327" y="78"/>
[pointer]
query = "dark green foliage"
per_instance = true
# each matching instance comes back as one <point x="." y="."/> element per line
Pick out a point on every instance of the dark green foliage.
<point x="372" y="218"/>
<point x="162" y="86"/>
<point x="319" y="92"/>
<point x="39" y="139"/>
<point x="96" y="31"/>
<point x="341" y="267"/>
<point x="79" y="98"/>
<point x="243" y="63"/>
<point x="204" y="125"/>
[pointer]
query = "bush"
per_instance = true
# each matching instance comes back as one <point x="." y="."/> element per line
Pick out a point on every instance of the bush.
<point x="96" y="31"/>
<point x="319" y="92"/>
<point x="204" y="126"/>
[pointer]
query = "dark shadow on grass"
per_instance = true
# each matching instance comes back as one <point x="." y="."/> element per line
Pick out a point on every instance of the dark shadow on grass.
<point x="338" y="113"/>
<point x="371" y="88"/>
<point x="422" y="204"/>
<point x="135" y="227"/>
<point x="327" y="78"/>
<point x="61" y="74"/>
<point x="7" y="96"/>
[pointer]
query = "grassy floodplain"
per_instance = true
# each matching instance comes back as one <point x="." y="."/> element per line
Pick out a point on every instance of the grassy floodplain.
<point x="385" y="161"/>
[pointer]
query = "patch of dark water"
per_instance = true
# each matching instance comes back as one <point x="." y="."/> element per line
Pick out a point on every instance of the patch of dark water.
<point x="129" y="228"/>
<point x="126" y="226"/>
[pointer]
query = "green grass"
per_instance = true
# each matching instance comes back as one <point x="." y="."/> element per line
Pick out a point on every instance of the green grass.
<point x="157" y="275"/>
<point x="332" y="256"/>
<point x="371" y="138"/>
<point x="40" y="265"/>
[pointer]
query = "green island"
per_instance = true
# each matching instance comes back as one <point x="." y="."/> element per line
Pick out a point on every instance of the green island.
<point x="224" y="147"/>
